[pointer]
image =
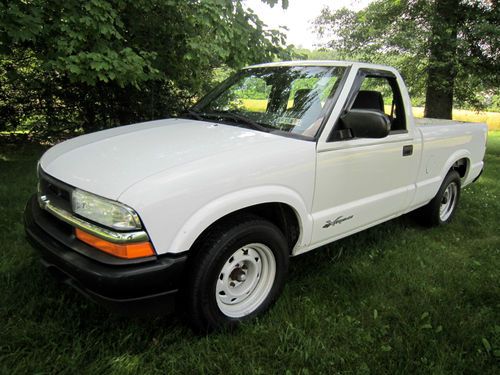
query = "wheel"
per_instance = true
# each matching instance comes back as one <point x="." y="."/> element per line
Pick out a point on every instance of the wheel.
<point x="441" y="209"/>
<point x="238" y="272"/>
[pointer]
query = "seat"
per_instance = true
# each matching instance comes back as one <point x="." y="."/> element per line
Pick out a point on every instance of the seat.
<point x="367" y="99"/>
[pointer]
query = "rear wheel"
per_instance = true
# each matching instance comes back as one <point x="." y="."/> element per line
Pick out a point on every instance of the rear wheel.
<point x="441" y="209"/>
<point x="237" y="273"/>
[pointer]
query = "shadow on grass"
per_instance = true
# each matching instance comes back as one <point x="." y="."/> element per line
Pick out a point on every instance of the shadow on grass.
<point x="347" y="249"/>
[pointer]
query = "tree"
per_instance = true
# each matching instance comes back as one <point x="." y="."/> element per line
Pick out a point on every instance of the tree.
<point x="73" y="64"/>
<point x="447" y="49"/>
<point x="442" y="66"/>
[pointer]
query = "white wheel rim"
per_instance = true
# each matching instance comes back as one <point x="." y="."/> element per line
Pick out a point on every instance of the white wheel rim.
<point x="448" y="201"/>
<point x="245" y="280"/>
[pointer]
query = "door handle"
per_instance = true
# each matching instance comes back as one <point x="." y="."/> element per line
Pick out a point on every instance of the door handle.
<point x="407" y="150"/>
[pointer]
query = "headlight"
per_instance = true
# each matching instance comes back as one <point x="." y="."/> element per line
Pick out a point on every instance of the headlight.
<point x="104" y="211"/>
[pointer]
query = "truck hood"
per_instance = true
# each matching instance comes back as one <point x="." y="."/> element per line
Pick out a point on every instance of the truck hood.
<point x="108" y="162"/>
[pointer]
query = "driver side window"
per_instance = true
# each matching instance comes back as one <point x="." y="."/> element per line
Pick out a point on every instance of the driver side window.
<point x="375" y="110"/>
<point x="382" y="94"/>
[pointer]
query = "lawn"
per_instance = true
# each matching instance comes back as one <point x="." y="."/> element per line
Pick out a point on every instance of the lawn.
<point x="397" y="298"/>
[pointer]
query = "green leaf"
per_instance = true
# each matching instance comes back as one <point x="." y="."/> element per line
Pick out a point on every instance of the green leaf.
<point x="486" y="344"/>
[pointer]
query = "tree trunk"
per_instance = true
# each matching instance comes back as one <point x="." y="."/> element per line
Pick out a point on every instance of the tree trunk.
<point x="442" y="70"/>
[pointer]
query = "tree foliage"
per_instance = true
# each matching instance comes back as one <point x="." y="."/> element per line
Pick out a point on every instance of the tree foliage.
<point x="91" y="64"/>
<point x="442" y="47"/>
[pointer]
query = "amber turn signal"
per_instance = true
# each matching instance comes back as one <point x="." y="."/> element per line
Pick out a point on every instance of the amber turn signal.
<point x="126" y="251"/>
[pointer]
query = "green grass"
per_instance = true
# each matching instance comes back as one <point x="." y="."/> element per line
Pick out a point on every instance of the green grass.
<point x="397" y="298"/>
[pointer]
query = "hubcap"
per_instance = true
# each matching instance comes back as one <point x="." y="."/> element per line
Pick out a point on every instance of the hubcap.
<point x="245" y="280"/>
<point x="448" y="201"/>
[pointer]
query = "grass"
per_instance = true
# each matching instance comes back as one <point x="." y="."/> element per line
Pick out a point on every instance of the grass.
<point x="397" y="298"/>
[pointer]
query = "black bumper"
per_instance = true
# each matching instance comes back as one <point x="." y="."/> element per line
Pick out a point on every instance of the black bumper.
<point x="134" y="287"/>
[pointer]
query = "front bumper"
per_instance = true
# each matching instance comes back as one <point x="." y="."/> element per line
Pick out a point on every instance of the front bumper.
<point x="143" y="285"/>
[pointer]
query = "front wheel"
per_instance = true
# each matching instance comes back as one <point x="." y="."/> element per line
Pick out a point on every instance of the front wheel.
<point x="245" y="280"/>
<point x="238" y="272"/>
<point x="441" y="209"/>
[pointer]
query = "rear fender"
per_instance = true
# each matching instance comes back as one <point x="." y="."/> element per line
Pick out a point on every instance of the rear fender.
<point x="456" y="156"/>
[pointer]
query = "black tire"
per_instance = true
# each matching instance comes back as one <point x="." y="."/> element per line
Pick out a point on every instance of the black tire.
<point x="212" y="258"/>
<point x="430" y="215"/>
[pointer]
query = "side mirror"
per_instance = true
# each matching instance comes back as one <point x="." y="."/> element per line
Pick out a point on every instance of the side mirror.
<point x="365" y="123"/>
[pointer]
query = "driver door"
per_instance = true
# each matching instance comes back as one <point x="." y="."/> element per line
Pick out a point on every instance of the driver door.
<point x="361" y="181"/>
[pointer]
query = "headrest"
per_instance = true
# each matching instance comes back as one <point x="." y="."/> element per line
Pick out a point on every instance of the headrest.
<point x="367" y="99"/>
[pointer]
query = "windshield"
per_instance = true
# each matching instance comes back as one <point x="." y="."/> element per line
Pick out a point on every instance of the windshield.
<point x="291" y="99"/>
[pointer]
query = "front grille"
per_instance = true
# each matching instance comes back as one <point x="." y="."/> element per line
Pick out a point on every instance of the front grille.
<point x="57" y="192"/>
<point x="54" y="190"/>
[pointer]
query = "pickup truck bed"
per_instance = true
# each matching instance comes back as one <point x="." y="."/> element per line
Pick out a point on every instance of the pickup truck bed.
<point x="446" y="142"/>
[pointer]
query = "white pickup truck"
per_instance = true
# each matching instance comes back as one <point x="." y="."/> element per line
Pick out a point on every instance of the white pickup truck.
<point x="278" y="160"/>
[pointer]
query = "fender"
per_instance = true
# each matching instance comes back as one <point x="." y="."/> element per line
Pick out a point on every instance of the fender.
<point x="238" y="200"/>
<point x="456" y="156"/>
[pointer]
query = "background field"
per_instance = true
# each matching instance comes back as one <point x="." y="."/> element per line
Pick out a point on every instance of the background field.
<point x="492" y="119"/>
<point x="397" y="298"/>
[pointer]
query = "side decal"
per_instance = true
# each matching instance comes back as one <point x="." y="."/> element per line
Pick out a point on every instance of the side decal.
<point x="338" y="220"/>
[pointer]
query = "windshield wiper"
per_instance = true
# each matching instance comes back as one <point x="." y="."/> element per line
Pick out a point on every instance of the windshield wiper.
<point x="236" y="118"/>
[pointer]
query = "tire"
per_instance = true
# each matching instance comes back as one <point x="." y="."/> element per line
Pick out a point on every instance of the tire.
<point x="441" y="209"/>
<point x="238" y="271"/>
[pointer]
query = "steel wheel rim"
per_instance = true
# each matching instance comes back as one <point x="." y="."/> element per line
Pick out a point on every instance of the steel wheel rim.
<point x="245" y="280"/>
<point x="448" y="201"/>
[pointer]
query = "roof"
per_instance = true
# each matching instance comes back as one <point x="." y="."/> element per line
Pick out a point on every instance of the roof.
<point x="321" y="63"/>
